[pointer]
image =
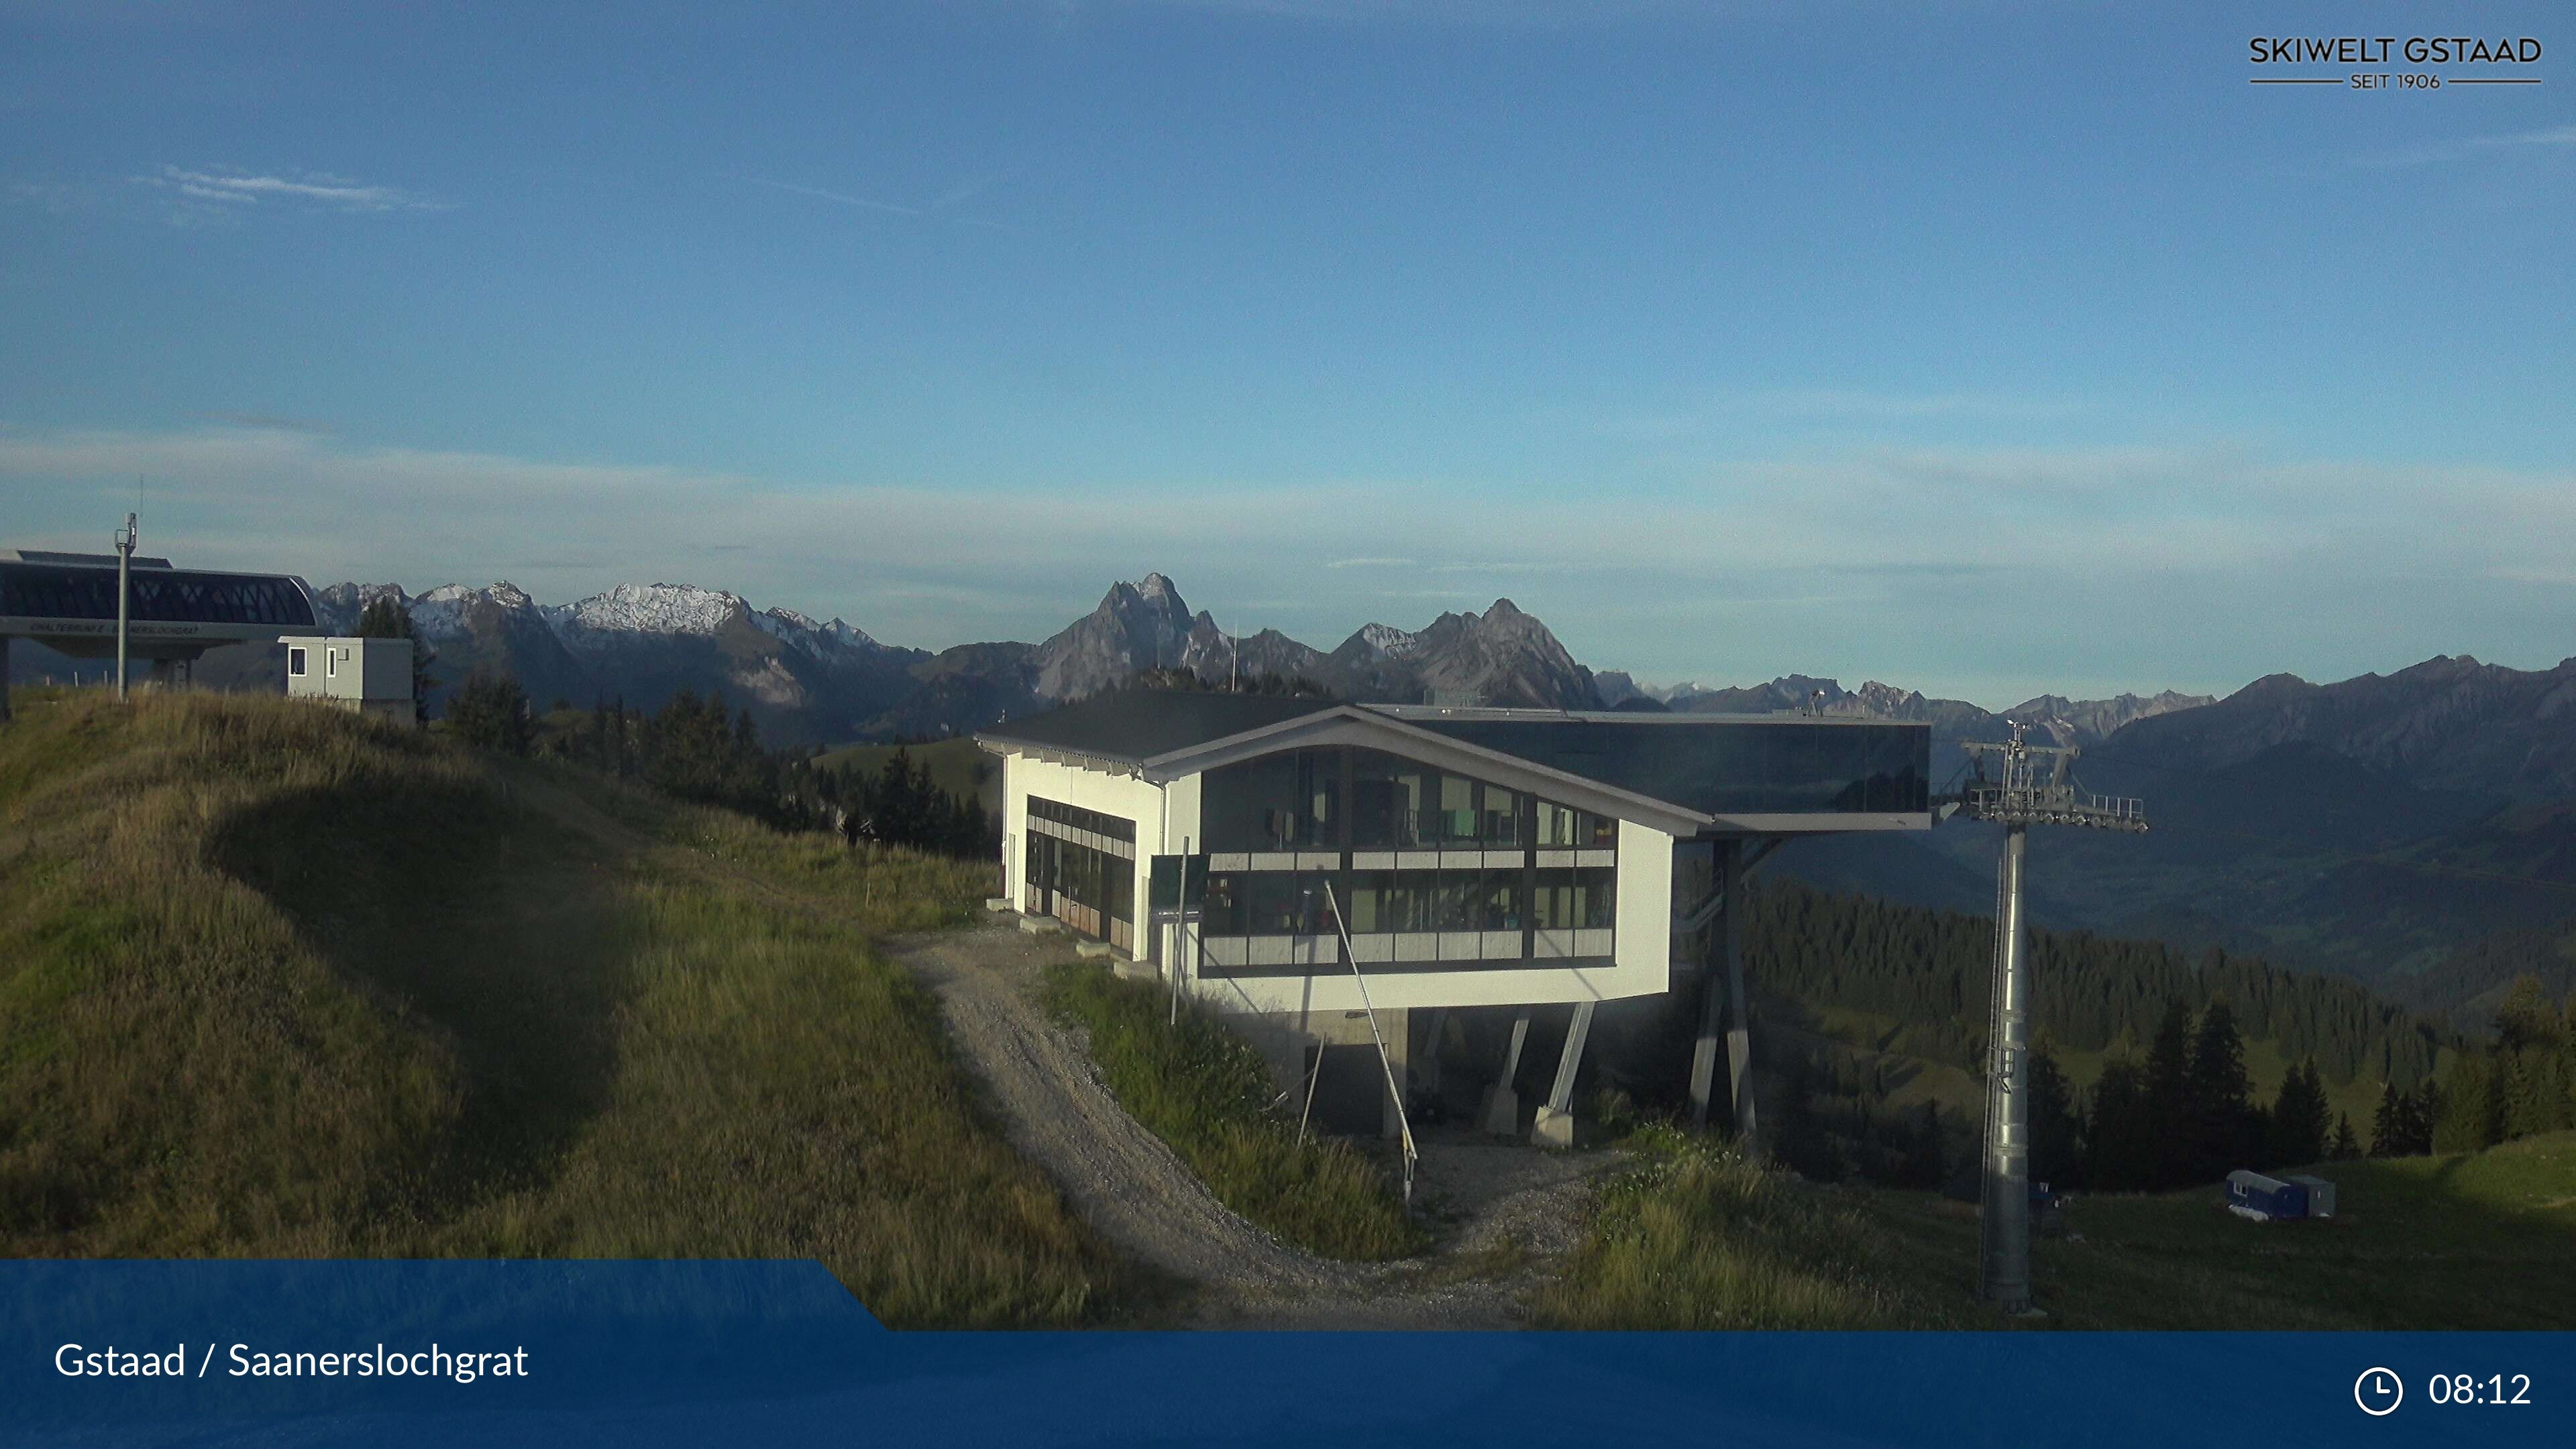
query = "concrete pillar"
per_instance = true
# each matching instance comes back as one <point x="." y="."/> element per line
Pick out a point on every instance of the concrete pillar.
<point x="1739" y="1025"/>
<point x="1712" y="1012"/>
<point x="1555" y="1124"/>
<point x="1501" y="1114"/>
<point x="1429" y="1076"/>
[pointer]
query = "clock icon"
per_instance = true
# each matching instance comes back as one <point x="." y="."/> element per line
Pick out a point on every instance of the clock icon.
<point x="2378" y="1392"/>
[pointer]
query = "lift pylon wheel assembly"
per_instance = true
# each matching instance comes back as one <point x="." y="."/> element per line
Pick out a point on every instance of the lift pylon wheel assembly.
<point x="2033" y="786"/>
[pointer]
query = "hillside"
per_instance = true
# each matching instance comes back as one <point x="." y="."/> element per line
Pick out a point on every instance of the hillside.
<point x="1920" y="979"/>
<point x="1699" y="1239"/>
<point x="958" y="766"/>
<point x="275" y="982"/>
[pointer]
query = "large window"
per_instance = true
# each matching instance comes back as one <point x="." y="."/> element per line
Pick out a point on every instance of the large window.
<point x="1577" y="899"/>
<point x="1425" y="911"/>
<point x="1080" y="867"/>
<point x="1287" y="801"/>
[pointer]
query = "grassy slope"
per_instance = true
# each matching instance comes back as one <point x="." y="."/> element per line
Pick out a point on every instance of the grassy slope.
<point x="1699" y="1239"/>
<point x="958" y="766"/>
<point x="1205" y="1091"/>
<point x="273" y="982"/>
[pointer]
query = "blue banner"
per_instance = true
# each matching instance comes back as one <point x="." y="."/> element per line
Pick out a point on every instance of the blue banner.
<point x="564" y="1353"/>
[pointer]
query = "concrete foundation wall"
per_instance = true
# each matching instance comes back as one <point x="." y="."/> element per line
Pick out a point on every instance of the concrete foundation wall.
<point x="1287" y="1039"/>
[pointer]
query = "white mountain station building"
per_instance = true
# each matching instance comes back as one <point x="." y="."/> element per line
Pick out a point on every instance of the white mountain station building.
<point x="1472" y="858"/>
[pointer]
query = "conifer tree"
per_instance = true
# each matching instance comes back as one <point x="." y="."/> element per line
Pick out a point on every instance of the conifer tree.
<point x="2053" y="1124"/>
<point x="2222" y="1124"/>
<point x="2298" y="1123"/>
<point x="2122" y="1134"/>
<point x="2169" y="1097"/>
<point x="2345" y="1146"/>
<point x="2388" y="1137"/>
<point x="2425" y="1111"/>
<point x="2472" y="1113"/>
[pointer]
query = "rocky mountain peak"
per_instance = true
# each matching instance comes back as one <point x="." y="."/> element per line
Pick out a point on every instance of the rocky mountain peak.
<point x="653" y="609"/>
<point x="1385" y="641"/>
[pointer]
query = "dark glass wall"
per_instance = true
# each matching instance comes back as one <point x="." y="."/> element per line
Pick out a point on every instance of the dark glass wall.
<point x="1293" y="801"/>
<point x="1728" y="767"/>
<point x="1492" y="911"/>
<point x="160" y="596"/>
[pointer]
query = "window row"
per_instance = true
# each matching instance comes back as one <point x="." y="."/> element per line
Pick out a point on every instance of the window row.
<point x="1295" y="800"/>
<point x="1297" y="903"/>
<point x="1102" y="882"/>
<point x="1074" y="817"/>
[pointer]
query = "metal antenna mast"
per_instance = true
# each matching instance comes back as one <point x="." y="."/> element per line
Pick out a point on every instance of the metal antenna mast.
<point x="2034" y="788"/>
<point x="125" y="540"/>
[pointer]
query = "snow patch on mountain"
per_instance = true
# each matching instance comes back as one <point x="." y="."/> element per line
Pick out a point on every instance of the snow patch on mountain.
<point x="816" y="636"/>
<point x="1389" y="641"/>
<point x="649" y="609"/>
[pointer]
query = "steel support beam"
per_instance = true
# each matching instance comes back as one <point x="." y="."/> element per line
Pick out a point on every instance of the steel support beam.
<point x="1555" y="1124"/>
<point x="1712" y="1007"/>
<point x="2004" y="1214"/>
<point x="1739" y="1021"/>
<point x="1501" y="1116"/>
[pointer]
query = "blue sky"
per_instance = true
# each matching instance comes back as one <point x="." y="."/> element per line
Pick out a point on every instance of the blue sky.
<point x="1984" y="348"/>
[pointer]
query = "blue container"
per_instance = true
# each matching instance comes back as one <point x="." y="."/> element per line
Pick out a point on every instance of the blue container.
<point x="2265" y="1199"/>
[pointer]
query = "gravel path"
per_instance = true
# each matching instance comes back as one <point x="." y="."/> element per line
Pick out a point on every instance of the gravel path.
<point x="1511" y="1209"/>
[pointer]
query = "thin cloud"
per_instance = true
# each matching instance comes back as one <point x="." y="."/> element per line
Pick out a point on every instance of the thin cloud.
<point x="1370" y="563"/>
<point x="240" y="189"/>
<point x="953" y="197"/>
<point x="842" y="197"/>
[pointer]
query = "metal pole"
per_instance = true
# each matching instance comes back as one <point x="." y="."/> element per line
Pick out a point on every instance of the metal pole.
<point x="1180" y="932"/>
<point x="124" y="579"/>
<point x="2004" y="1218"/>
<point x="1395" y="1089"/>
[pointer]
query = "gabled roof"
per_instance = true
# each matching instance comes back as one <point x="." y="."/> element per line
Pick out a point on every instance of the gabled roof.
<point x="1131" y="726"/>
<point x="1680" y="774"/>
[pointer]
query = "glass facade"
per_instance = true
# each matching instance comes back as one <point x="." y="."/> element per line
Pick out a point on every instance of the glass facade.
<point x="160" y="596"/>
<point x="1429" y="867"/>
<point x="1727" y="767"/>
<point x="1293" y="801"/>
<point x="1079" y="866"/>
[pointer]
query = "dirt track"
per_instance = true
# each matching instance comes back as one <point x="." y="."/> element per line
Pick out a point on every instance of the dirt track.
<point x="1513" y="1207"/>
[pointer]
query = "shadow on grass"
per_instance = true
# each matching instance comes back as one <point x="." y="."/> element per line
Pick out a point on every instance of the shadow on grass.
<point x="495" y="929"/>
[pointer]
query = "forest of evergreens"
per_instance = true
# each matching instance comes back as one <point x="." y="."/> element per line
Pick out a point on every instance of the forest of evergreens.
<point x="1932" y="971"/>
<point x="2174" y="1103"/>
